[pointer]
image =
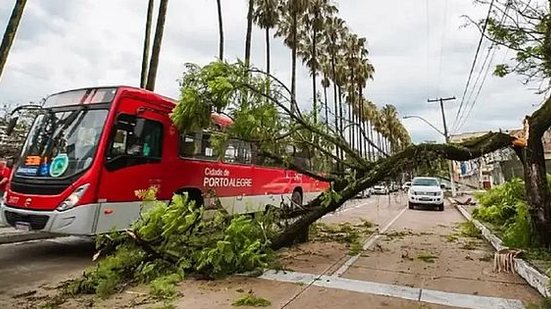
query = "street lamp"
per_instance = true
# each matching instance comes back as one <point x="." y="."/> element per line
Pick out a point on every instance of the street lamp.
<point x="447" y="141"/>
<point x="427" y="122"/>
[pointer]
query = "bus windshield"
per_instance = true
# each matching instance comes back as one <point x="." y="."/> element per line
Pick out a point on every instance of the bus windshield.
<point x="62" y="143"/>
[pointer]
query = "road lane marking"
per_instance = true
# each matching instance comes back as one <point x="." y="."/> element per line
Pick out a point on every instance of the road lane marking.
<point x="397" y="291"/>
<point x="371" y="240"/>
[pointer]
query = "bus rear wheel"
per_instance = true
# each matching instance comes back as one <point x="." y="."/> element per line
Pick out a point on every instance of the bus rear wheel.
<point x="296" y="199"/>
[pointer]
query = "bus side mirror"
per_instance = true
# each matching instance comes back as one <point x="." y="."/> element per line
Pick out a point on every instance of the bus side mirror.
<point x="11" y="125"/>
<point x="138" y="127"/>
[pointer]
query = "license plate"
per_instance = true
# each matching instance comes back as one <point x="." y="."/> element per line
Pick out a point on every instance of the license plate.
<point x="425" y="199"/>
<point x="23" y="226"/>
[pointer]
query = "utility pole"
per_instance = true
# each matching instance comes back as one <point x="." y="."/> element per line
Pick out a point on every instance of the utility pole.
<point x="446" y="135"/>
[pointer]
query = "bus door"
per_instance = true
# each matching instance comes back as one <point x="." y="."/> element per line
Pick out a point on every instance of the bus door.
<point x="132" y="163"/>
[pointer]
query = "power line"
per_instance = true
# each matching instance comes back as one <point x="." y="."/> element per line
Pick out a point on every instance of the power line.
<point x="479" y="88"/>
<point x="490" y="55"/>
<point x="469" y="95"/>
<point x="428" y="46"/>
<point x="474" y="61"/>
<point x="442" y="45"/>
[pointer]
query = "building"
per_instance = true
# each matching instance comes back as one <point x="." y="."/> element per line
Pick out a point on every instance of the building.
<point x="496" y="167"/>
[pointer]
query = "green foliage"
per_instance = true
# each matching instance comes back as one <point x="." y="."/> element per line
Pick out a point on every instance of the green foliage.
<point x="504" y="207"/>
<point x="330" y="196"/>
<point x="165" y="287"/>
<point x="251" y="300"/>
<point x="468" y="229"/>
<point x="203" y="90"/>
<point x="351" y="235"/>
<point x="426" y="257"/>
<point x="169" y="241"/>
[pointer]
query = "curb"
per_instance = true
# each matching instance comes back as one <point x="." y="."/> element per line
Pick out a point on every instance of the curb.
<point x="531" y="275"/>
<point x="12" y="236"/>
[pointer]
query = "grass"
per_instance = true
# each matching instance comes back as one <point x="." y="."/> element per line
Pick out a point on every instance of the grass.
<point x="544" y="304"/>
<point x="452" y="237"/>
<point x="468" y="229"/>
<point x="427" y="258"/>
<point x="399" y="235"/>
<point x="469" y="245"/>
<point x="251" y="300"/>
<point x="347" y="233"/>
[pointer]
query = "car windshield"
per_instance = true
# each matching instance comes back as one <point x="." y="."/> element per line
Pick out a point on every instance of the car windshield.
<point x="61" y="144"/>
<point x="425" y="182"/>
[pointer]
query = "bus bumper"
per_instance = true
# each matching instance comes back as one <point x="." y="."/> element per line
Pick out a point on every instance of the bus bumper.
<point x="79" y="220"/>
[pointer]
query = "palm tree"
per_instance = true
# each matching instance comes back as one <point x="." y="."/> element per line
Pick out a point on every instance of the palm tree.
<point x="317" y="12"/>
<point x="145" y="55"/>
<point x="335" y="28"/>
<point x="249" y="33"/>
<point x="325" y="84"/>
<point x="220" y="30"/>
<point x="266" y="16"/>
<point x="288" y="28"/>
<point x="154" y="63"/>
<point x="11" y="30"/>
<point x="391" y="123"/>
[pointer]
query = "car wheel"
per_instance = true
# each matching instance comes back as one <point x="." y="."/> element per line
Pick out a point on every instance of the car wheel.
<point x="410" y="205"/>
<point x="441" y="207"/>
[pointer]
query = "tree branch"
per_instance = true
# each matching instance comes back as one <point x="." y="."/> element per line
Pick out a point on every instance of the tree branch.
<point x="297" y="168"/>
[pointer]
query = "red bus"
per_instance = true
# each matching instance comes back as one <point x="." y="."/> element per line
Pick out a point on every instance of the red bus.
<point x="89" y="150"/>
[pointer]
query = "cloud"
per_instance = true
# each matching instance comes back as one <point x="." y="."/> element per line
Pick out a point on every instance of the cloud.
<point x="419" y="52"/>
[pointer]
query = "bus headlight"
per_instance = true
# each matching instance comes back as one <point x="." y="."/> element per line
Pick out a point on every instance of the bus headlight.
<point x="73" y="199"/>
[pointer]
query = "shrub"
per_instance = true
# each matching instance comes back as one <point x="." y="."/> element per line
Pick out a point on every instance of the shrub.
<point x="171" y="240"/>
<point x="505" y="208"/>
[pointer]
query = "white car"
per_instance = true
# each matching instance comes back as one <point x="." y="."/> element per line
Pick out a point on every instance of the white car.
<point x="426" y="191"/>
<point x="380" y="189"/>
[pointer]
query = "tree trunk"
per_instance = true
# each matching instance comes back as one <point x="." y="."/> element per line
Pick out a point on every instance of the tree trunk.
<point x="249" y="34"/>
<point x="294" y="62"/>
<point x="314" y="90"/>
<point x="335" y="102"/>
<point x="535" y="174"/>
<point x="11" y="30"/>
<point x="154" y="63"/>
<point x="268" y="51"/>
<point x="220" y="31"/>
<point x="326" y="107"/>
<point x="341" y="126"/>
<point x="387" y="167"/>
<point x="145" y="54"/>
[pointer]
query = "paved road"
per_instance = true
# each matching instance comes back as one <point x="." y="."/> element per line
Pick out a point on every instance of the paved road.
<point x="28" y="265"/>
<point x="394" y="272"/>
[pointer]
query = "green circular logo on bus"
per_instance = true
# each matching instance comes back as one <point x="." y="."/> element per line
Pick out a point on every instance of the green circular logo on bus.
<point x="59" y="165"/>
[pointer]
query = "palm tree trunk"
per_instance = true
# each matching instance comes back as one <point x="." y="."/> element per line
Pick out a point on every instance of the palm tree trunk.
<point x="341" y="133"/>
<point x="249" y="33"/>
<point x="350" y="125"/>
<point x="11" y="30"/>
<point x="325" y="106"/>
<point x="314" y="90"/>
<point x="294" y="61"/>
<point x="220" y="31"/>
<point x="268" y="50"/>
<point x="369" y="148"/>
<point x="335" y="102"/>
<point x="154" y="63"/>
<point x="145" y="55"/>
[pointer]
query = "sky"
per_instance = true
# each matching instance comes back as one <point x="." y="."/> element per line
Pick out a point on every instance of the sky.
<point x="420" y="49"/>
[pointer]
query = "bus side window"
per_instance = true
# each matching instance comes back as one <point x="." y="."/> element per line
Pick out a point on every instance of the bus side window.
<point x="198" y="146"/>
<point x="125" y="143"/>
<point x="238" y="152"/>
